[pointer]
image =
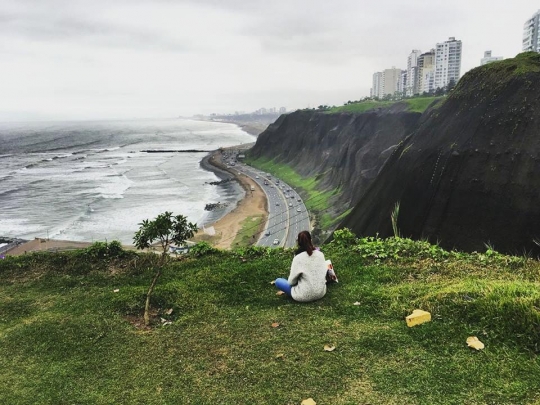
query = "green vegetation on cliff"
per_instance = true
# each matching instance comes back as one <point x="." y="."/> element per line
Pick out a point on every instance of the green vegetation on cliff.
<point x="360" y="107"/>
<point x="416" y="104"/>
<point x="316" y="201"/>
<point x="492" y="77"/>
<point x="68" y="334"/>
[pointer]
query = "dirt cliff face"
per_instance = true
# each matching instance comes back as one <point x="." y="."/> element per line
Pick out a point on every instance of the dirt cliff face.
<point x="344" y="151"/>
<point x="470" y="173"/>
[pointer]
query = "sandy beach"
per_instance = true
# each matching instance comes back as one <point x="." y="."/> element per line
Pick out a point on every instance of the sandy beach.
<point x="253" y="204"/>
<point x="43" y="244"/>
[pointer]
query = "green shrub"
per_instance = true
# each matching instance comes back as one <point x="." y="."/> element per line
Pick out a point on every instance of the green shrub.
<point x="202" y="249"/>
<point x="104" y="250"/>
<point x="344" y="237"/>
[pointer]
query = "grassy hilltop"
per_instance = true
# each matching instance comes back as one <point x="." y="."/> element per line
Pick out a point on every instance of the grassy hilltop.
<point x="69" y="329"/>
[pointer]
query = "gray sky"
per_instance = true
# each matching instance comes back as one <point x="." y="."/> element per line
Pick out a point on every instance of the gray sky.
<point x="92" y="59"/>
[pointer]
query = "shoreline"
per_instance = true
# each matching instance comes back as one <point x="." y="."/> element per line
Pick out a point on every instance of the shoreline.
<point x="226" y="221"/>
<point x="252" y="127"/>
<point x="253" y="204"/>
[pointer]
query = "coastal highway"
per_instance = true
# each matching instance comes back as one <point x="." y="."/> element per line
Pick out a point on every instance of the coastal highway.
<point x="287" y="214"/>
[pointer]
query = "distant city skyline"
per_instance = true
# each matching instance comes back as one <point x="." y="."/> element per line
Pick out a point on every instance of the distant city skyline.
<point x="121" y="59"/>
<point x="447" y="67"/>
<point x="425" y="72"/>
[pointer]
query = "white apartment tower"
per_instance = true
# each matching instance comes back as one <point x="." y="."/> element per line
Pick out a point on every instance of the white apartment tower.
<point x="531" y="33"/>
<point x="377" y="86"/>
<point x="447" y="62"/>
<point x="402" y="82"/>
<point x="412" y="73"/>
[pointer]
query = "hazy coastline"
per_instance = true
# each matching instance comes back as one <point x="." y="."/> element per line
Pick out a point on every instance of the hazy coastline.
<point x="97" y="182"/>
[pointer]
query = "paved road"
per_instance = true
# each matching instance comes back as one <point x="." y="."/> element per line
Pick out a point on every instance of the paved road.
<point x="287" y="214"/>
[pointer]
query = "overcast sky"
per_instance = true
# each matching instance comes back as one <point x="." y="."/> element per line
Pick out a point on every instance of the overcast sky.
<point x="93" y="59"/>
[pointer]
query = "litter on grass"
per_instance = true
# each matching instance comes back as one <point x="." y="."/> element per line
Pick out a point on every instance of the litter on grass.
<point x="474" y="342"/>
<point x="417" y="317"/>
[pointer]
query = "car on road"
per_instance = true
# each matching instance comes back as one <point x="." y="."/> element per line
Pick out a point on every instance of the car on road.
<point x="267" y="233"/>
<point x="299" y="210"/>
<point x="277" y="203"/>
<point x="276" y="242"/>
<point x="256" y="177"/>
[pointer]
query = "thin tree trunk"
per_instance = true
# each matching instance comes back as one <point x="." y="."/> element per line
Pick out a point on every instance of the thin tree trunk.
<point x="148" y="295"/>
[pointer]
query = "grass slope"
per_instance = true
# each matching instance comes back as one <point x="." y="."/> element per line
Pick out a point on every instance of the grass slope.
<point x="416" y="104"/>
<point x="250" y="228"/>
<point x="65" y="335"/>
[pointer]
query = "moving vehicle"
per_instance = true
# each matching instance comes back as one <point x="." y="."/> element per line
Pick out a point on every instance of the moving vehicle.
<point x="276" y="242"/>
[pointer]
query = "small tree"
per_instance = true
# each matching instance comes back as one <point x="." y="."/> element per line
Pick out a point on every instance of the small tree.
<point x="166" y="229"/>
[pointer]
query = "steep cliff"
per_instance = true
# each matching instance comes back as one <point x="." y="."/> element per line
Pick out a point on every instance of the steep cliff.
<point x="470" y="173"/>
<point x="344" y="151"/>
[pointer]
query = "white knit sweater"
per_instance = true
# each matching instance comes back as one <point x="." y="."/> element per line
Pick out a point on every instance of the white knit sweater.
<point x="308" y="276"/>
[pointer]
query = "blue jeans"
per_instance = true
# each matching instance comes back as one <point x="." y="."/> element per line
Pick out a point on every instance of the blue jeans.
<point x="283" y="285"/>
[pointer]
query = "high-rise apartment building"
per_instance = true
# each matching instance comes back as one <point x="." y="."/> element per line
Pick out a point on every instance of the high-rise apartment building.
<point x="377" y="86"/>
<point x="447" y="62"/>
<point x="488" y="58"/>
<point x="531" y="33"/>
<point x="426" y="72"/>
<point x="387" y="82"/>
<point x="391" y="79"/>
<point x="411" y="87"/>
<point x="402" y="82"/>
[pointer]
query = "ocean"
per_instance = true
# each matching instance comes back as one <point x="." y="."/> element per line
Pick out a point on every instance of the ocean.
<point x="93" y="181"/>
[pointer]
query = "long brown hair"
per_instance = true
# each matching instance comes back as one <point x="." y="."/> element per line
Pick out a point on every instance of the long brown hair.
<point x="304" y="243"/>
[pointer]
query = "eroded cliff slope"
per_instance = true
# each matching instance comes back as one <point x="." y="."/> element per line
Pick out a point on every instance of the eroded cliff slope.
<point x="344" y="151"/>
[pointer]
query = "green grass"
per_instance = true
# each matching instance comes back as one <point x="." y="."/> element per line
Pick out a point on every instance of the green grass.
<point x="526" y="62"/>
<point x="360" y="107"/>
<point x="66" y="336"/>
<point x="249" y="227"/>
<point x="316" y="201"/>
<point x="416" y="104"/>
<point x="484" y="82"/>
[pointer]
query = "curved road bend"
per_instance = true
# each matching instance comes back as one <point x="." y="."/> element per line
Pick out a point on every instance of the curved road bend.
<point x="287" y="214"/>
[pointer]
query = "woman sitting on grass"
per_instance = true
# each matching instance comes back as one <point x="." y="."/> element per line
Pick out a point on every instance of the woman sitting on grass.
<point x="307" y="280"/>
